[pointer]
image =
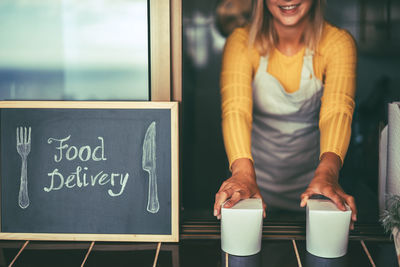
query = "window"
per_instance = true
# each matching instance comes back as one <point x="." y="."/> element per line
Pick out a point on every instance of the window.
<point x="74" y="50"/>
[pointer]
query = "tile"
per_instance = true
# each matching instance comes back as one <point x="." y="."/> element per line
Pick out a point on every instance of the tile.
<point x="44" y="258"/>
<point x="278" y="253"/>
<point x="128" y="258"/>
<point x="355" y="256"/>
<point x="200" y="253"/>
<point x="7" y="255"/>
<point x="274" y="253"/>
<point x="382" y="253"/>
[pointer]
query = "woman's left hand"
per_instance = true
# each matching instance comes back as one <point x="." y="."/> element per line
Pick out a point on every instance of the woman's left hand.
<point x="325" y="182"/>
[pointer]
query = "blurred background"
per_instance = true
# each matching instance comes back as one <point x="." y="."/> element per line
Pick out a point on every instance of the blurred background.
<point x="375" y="25"/>
<point x="98" y="50"/>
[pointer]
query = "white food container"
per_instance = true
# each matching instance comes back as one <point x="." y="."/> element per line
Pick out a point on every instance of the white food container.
<point x="327" y="230"/>
<point x="241" y="227"/>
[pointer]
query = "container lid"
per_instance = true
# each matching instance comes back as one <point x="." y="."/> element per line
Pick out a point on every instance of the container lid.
<point x="247" y="204"/>
<point x="324" y="205"/>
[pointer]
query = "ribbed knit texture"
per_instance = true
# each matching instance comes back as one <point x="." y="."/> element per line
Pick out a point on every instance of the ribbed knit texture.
<point x="334" y="64"/>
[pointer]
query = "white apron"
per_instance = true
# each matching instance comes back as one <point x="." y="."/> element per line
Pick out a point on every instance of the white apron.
<point x="285" y="135"/>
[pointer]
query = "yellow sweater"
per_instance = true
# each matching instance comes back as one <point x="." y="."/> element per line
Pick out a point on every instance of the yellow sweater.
<point x="334" y="64"/>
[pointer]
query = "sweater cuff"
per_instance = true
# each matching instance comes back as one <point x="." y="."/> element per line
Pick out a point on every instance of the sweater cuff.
<point x="335" y="151"/>
<point x="239" y="156"/>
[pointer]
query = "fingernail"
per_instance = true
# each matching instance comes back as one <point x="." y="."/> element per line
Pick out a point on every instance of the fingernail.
<point x="219" y="217"/>
<point x="215" y="212"/>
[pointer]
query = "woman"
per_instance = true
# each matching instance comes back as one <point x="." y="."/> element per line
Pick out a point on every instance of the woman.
<point x="287" y="86"/>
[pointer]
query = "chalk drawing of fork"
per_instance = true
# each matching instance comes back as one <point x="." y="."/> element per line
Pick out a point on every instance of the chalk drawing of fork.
<point x="23" y="149"/>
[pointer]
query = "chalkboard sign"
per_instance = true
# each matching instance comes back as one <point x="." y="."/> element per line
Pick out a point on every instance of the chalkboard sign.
<point x="104" y="171"/>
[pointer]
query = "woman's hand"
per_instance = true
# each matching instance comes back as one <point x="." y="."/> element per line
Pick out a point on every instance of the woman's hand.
<point x="241" y="185"/>
<point x="325" y="182"/>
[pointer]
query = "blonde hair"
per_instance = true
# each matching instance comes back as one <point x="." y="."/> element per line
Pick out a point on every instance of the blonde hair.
<point x="263" y="36"/>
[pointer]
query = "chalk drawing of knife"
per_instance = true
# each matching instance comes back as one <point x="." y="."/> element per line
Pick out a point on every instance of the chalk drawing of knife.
<point x="149" y="165"/>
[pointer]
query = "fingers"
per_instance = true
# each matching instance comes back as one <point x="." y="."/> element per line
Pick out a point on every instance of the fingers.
<point x="222" y="195"/>
<point x="304" y="198"/>
<point x="236" y="196"/>
<point x="349" y="200"/>
<point x="258" y="195"/>
<point x="311" y="190"/>
<point x="338" y="196"/>
<point x="220" y="198"/>
<point x="327" y="191"/>
<point x="307" y="194"/>
<point x="352" y="204"/>
<point x="231" y="194"/>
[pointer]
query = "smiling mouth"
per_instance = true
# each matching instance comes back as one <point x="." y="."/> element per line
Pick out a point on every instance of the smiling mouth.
<point x="288" y="8"/>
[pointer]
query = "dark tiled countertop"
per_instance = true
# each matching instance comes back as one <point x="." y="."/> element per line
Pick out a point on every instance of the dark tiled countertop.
<point x="193" y="253"/>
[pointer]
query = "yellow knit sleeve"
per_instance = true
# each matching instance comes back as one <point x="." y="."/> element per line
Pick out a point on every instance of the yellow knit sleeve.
<point x="236" y="96"/>
<point x="339" y="52"/>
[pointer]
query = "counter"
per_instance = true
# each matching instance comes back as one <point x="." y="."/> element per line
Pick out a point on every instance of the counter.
<point x="283" y="246"/>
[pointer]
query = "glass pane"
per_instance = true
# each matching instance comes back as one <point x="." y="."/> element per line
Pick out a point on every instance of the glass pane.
<point x="206" y="24"/>
<point x="74" y="50"/>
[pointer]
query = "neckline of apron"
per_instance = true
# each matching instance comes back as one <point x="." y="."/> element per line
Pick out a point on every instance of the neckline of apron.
<point x="307" y="54"/>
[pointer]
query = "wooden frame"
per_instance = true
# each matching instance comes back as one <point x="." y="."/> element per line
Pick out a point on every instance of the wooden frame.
<point x="176" y="51"/>
<point x="166" y="50"/>
<point x="160" y="52"/>
<point x="173" y="106"/>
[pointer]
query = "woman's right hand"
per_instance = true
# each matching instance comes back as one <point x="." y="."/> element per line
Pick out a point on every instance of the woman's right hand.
<point x="241" y="185"/>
